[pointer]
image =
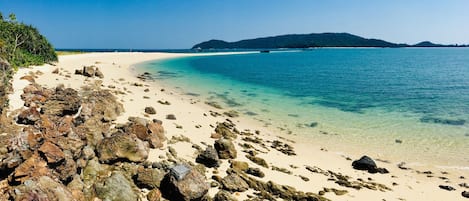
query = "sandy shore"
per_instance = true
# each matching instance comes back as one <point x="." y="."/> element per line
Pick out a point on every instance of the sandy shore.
<point x="194" y="121"/>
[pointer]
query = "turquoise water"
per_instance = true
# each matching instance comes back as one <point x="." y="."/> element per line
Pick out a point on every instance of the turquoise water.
<point x="367" y="98"/>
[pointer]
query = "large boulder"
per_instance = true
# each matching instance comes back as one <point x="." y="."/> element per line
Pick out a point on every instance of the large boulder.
<point x="122" y="146"/>
<point x="366" y="163"/>
<point x="183" y="184"/>
<point x="225" y="149"/>
<point x="152" y="132"/>
<point x="209" y="157"/>
<point x="42" y="188"/>
<point x="65" y="101"/>
<point x="117" y="188"/>
<point x="234" y="183"/>
<point x="149" y="178"/>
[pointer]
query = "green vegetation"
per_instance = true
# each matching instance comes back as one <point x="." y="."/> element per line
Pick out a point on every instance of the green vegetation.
<point x="309" y="40"/>
<point x="22" y="45"/>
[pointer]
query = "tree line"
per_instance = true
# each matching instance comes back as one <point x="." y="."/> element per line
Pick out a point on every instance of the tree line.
<point x="22" y="45"/>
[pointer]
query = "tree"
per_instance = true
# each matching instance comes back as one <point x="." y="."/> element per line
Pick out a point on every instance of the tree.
<point x="12" y="17"/>
<point x="1" y="16"/>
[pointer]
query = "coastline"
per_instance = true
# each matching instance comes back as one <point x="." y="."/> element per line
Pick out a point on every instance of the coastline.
<point x="190" y="112"/>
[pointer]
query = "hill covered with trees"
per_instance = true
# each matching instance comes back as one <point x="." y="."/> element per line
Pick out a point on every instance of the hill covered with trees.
<point x="299" y="41"/>
<point x="309" y="40"/>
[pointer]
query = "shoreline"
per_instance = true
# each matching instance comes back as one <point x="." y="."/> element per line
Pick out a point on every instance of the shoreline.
<point x="190" y="114"/>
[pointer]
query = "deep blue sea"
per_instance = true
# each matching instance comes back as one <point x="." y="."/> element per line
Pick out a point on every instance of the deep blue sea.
<point x="414" y="100"/>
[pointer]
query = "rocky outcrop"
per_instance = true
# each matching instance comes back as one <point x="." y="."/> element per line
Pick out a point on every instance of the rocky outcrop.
<point x="116" y="187"/>
<point x="234" y="183"/>
<point x="121" y="146"/>
<point x="209" y="157"/>
<point x="189" y="186"/>
<point x="225" y="149"/>
<point x="42" y="188"/>
<point x="366" y="163"/>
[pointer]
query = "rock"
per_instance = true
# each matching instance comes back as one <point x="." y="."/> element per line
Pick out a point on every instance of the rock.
<point x="149" y="178"/>
<point x="88" y="71"/>
<point x="28" y="116"/>
<point x="366" y="163"/>
<point x="225" y="130"/>
<point x="154" y="195"/>
<point x="448" y="188"/>
<point x="465" y="194"/>
<point x="42" y="188"/>
<point x="171" y="117"/>
<point x="209" y="157"/>
<point x="189" y="186"/>
<point x="52" y="153"/>
<point x="117" y="188"/>
<point x="255" y="172"/>
<point x="79" y="72"/>
<point x="150" y="110"/>
<point x="239" y="165"/>
<point x="63" y="102"/>
<point x="76" y="187"/>
<point x="225" y="149"/>
<point x="257" y="160"/>
<point x="122" y="146"/>
<point x="224" y="196"/>
<point x="33" y="167"/>
<point x="234" y="183"/>
<point x="98" y="73"/>
<point x="55" y="71"/>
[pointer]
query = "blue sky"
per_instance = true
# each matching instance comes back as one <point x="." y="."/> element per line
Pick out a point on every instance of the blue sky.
<point x="158" y="24"/>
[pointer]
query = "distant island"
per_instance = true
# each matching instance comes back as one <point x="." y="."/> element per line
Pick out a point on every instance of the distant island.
<point x="309" y="41"/>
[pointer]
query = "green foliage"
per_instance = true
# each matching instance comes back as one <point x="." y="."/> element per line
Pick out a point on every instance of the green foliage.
<point x="299" y="41"/>
<point x="23" y="45"/>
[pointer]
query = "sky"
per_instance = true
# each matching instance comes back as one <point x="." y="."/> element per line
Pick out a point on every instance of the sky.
<point x="169" y="24"/>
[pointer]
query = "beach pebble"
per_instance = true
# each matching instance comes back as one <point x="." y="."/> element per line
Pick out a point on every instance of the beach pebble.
<point x="448" y="188"/>
<point x="465" y="194"/>
<point x="150" y="110"/>
<point x="171" y="117"/>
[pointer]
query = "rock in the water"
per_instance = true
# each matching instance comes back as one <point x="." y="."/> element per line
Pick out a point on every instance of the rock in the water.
<point x="122" y="146"/>
<point x="225" y="149"/>
<point x="117" y="188"/>
<point x="224" y="196"/>
<point x="234" y="183"/>
<point x="209" y="157"/>
<point x="150" y="110"/>
<point x="191" y="186"/>
<point x="42" y="188"/>
<point x="366" y="163"/>
<point x="448" y="188"/>
<point x="28" y="116"/>
<point x="52" y="153"/>
<point x="465" y="194"/>
<point x="149" y="178"/>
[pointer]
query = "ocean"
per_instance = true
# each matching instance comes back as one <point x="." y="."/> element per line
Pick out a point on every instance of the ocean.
<point x="407" y="104"/>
